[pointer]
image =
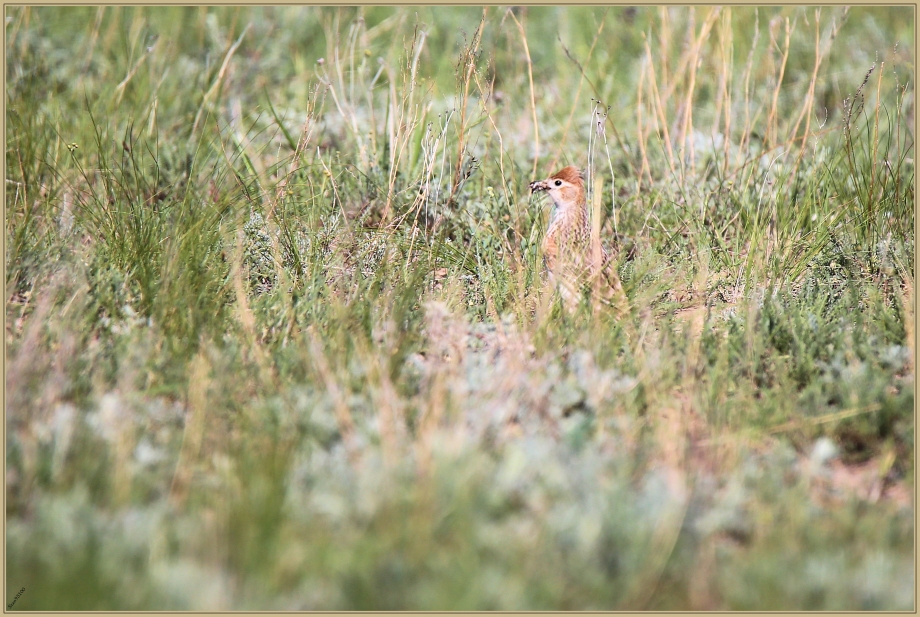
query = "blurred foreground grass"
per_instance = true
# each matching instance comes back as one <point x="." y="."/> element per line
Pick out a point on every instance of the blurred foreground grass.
<point x="277" y="336"/>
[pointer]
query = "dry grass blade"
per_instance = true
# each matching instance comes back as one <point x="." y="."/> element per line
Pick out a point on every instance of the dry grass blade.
<point x="686" y="131"/>
<point x="772" y="118"/>
<point x="661" y="122"/>
<point x="215" y="86"/>
<point x="809" y="103"/>
<point x="581" y="81"/>
<point x="831" y="417"/>
<point x="533" y="96"/>
<point x="193" y="433"/>
<point x="342" y="413"/>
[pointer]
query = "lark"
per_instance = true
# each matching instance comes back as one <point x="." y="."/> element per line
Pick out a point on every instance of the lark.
<point x="567" y="251"/>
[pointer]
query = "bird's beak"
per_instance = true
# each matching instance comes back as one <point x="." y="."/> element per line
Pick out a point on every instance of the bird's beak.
<point x="538" y="185"/>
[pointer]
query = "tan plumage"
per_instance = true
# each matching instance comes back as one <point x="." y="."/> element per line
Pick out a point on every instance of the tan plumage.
<point x="567" y="245"/>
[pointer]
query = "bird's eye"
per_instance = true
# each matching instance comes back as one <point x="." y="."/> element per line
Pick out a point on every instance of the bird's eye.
<point x="558" y="182"/>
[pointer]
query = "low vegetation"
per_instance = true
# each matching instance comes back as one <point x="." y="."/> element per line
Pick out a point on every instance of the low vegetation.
<point x="278" y="336"/>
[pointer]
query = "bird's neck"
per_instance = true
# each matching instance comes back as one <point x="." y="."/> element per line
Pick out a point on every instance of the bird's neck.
<point x="574" y="212"/>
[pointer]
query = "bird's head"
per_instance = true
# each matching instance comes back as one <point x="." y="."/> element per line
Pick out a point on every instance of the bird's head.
<point x="566" y="187"/>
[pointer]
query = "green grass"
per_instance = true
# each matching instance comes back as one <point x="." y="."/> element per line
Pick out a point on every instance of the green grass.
<point x="278" y="336"/>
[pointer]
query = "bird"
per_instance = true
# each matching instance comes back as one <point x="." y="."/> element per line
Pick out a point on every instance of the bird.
<point x="567" y="250"/>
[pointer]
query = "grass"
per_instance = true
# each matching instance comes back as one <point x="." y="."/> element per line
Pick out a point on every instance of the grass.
<point x="278" y="336"/>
